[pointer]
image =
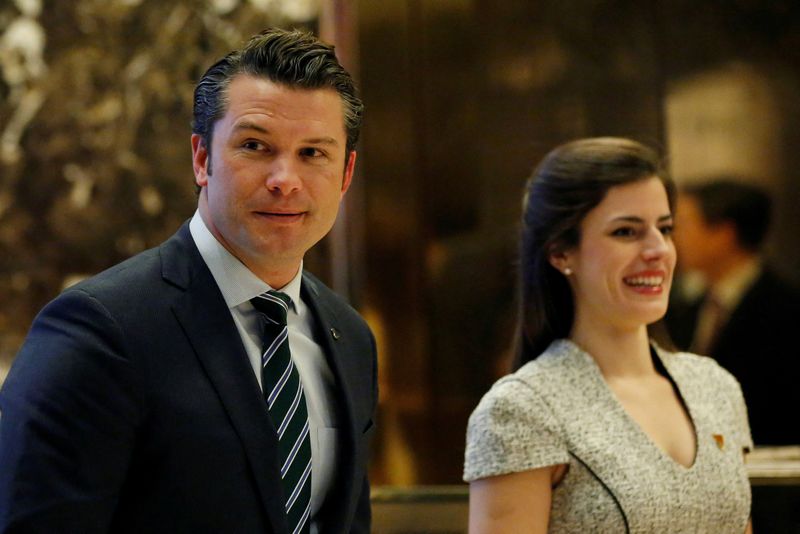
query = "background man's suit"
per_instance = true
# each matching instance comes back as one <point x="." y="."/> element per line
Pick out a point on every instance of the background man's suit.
<point x="759" y="345"/>
<point x="144" y="364"/>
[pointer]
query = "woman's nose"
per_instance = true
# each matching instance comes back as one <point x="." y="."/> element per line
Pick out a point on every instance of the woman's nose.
<point x="656" y="244"/>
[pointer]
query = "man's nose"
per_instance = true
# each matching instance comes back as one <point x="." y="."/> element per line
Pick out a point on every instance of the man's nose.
<point x="283" y="176"/>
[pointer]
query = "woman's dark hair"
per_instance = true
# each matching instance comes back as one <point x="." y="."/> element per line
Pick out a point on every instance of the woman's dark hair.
<point x="569" y="182"/>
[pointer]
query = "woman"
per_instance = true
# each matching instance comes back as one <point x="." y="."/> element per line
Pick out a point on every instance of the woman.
<point x="599" y="430"/>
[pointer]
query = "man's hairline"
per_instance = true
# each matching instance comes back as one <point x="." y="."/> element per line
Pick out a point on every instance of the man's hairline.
<point x="207" y="138"/>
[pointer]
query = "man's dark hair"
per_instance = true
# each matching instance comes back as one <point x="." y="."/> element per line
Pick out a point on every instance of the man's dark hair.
<point x="728" y="200"/>
<point x="289" y="57"/>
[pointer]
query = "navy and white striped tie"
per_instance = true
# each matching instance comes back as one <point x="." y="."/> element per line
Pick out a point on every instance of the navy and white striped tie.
<point x="286" y="401"/>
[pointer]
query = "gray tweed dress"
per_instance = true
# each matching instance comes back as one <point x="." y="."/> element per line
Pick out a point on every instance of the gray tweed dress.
<point x="558" y="409"/>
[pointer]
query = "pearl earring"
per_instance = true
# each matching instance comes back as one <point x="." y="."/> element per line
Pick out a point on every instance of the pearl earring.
<point x="567" y="271"/>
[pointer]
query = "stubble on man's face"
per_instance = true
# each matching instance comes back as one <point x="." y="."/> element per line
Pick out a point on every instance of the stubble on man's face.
<point x="274" y="185"/>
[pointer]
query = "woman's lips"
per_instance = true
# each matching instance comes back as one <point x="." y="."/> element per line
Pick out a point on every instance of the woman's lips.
<point x="649" y="282"/>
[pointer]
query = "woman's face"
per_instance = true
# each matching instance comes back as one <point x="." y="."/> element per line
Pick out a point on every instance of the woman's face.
<point x="621" y="270"/>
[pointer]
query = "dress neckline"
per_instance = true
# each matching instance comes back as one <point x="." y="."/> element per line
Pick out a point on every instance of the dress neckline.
<point x="663" y="366"/>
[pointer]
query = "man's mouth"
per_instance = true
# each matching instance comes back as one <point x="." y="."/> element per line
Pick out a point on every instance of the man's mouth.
<point x="285" y="216"/>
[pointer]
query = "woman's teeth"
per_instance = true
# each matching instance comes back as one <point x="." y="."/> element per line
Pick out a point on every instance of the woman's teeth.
<point x="648" y="281"/>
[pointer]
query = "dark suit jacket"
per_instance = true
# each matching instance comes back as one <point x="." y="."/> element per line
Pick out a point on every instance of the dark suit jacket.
<point x="759" y="346"/>
<point x="132" y="407"/>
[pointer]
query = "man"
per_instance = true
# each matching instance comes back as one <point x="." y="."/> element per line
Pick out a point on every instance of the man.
<point x="746" y="317"/>
<point x="138" y="401"/>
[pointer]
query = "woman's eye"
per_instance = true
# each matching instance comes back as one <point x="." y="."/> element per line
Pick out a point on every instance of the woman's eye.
<point x="667" y="230"/>
<point x="624" y="232"/>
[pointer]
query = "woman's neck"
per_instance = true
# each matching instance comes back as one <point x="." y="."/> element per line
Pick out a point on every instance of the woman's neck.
<point x="618" y="352"/>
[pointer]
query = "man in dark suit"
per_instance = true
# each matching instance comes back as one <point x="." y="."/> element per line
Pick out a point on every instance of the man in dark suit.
<point x="746" y="317"/>
<point x="138" y="402"/>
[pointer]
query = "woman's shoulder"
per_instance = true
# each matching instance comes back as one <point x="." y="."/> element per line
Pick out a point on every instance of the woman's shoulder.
<point x="510" y="395"/>
<point x="561" y="361"/>
<point x="525" y="393"/>
<point x="514" y="427"/>
<point x="696" y="369"/>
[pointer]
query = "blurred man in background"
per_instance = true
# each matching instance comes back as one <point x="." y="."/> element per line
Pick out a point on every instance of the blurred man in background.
<point x="746" y="316"/>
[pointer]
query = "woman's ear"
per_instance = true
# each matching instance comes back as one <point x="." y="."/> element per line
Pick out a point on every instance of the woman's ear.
<point x="560" y="260"/>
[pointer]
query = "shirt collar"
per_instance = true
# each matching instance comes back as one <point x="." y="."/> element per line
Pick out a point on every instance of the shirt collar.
<point x="236" y="282"/>
<point x="730" y="289"/>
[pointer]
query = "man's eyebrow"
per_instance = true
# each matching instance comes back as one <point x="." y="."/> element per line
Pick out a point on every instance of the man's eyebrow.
<point x="322" y="141"/>
<point x="247" y="125"/>
<point x="634" y="219"/>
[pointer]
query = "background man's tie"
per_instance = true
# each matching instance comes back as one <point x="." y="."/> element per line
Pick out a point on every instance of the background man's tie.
<point x="710" y="321"/>
<point x="286" y="401"/>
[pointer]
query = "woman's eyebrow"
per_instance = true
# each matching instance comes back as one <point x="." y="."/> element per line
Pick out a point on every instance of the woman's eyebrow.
<point x="634" y="219"/>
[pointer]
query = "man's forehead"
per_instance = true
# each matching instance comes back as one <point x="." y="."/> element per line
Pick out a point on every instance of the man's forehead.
<point x="262" y="96"/>
<point x="249" y="82"/>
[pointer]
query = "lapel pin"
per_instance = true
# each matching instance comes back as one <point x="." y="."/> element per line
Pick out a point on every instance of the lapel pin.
<point x="720" y="439"/>
<point x="335" y="333"/>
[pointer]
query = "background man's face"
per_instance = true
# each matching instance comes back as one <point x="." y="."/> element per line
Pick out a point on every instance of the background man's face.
<point x="697" y="242"/>
<point x="275" y="180"/>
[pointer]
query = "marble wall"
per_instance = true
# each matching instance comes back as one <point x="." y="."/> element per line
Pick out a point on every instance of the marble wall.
<point x="95" y="110"/>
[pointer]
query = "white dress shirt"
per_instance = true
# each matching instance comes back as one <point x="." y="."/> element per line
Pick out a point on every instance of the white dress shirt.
<point x="238" y="285"/>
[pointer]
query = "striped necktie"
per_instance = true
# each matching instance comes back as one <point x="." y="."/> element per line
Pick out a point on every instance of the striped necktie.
<point x="286" y="401"/>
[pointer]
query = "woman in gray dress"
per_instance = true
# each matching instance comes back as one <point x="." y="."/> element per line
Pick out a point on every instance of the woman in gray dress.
<point x="600" y="430"/>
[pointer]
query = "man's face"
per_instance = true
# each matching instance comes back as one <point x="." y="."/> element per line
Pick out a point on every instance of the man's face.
<point x="277" y="174"/>
<point x="699" y="243"/>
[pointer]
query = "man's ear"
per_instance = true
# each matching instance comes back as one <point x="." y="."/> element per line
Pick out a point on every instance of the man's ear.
<point x="200" y="160"/>
<point x="348" y="172"/>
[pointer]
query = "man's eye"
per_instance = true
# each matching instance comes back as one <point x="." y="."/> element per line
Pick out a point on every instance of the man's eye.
<point x="252" y="145"/>
<point x="311" y="152"/>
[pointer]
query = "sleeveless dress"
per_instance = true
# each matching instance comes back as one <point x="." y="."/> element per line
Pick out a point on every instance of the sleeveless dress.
<point x="558" y="409"/>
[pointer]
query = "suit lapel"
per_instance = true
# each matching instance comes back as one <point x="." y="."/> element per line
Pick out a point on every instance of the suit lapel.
<point x="335" y="344"/>
<point x="741" y="319"/>
<point x="208" y="325"/>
